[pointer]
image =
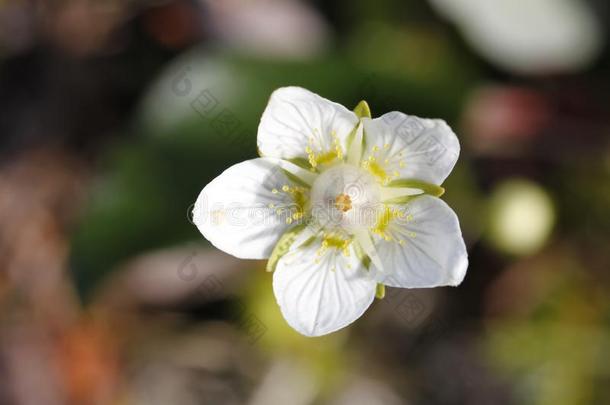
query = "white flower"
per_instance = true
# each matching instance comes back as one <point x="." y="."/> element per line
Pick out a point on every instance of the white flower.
<point x="339" y="203"/>
<point x="528" y="36"/>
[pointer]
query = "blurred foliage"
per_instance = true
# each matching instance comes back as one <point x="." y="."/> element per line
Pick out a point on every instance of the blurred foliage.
<point x="557" y="348"/>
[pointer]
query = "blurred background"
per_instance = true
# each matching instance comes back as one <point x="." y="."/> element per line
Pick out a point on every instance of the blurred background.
<point x="114" y="115"/>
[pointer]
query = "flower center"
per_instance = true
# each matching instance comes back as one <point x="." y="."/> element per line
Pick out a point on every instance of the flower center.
<point x="345" y="197"/>
<point x="343" y="202"/>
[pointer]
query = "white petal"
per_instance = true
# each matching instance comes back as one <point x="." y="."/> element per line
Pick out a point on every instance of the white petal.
<point x="408" y="147"/>
<point x="321" y="293"/>
<point x="296" y="119"/>
<point x="426" y="248"/>
<point x="238" y="210"/>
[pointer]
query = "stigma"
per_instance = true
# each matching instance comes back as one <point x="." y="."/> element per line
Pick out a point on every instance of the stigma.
<point x="343" y="202"/>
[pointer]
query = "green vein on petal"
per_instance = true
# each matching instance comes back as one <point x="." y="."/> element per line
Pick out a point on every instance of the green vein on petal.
<point x="427" y="188"/>
<point x="282" y="246"/>
<point x="297" y="173"/>
<point x="301" y="162"/>
<point x="363" y="257"/>
<point x="355" y="145"/>
<point x="295" y="179"/>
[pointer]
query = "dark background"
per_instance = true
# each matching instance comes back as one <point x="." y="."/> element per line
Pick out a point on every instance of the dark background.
<point x="115" y="114"/>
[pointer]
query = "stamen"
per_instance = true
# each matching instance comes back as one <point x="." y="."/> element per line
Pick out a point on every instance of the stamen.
<point x="376" y="169"/>
<point x="316" y="159"/>
<point x="378" y="164"/>
<point x="334" y="241"/>
<point x="299" y="195"/>
<point x="384" y="219"/>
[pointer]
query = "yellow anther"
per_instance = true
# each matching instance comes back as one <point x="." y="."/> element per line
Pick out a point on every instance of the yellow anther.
<point x="334" y="242"/>
<point x="378" y="170"/>
<point x="383" y="222"/>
